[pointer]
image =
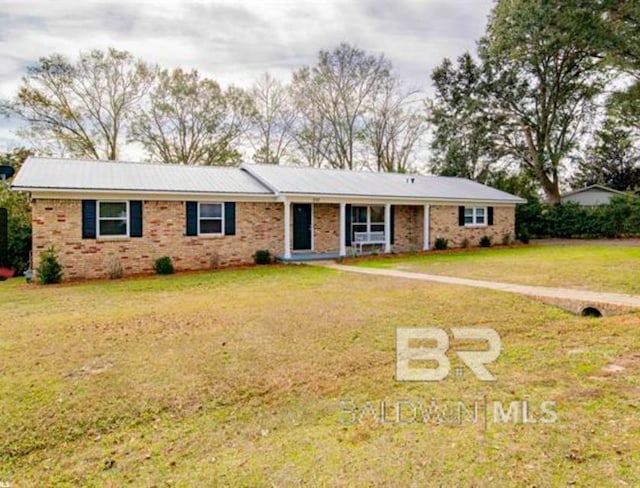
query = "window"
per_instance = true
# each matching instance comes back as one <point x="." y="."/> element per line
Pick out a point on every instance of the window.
<point x="475" y="216"/>
<point x="113" y="219"/>
<point x="367" y="219"/>
<point x="210" y="219"/>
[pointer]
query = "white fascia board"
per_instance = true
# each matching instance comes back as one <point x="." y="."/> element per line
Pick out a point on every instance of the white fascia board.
<point x="38" y="193"/>
<point x="317" y="198"/>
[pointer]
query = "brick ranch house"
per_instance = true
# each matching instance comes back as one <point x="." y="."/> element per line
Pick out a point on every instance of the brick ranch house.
<point x="95" y="212"/>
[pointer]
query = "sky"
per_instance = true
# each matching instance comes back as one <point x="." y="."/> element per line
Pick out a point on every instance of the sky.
<point x="234" y="41"/>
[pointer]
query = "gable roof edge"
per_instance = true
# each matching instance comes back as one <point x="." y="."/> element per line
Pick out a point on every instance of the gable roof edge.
<point x="591" y="187"/>
<point x="263" y="181"/>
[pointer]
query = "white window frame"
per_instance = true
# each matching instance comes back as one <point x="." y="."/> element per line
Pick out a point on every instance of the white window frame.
<point x="474" y="217"/>
<point x="368" y="223"/>
<point x="221" y="218"/>
<point x="99" y="218"/>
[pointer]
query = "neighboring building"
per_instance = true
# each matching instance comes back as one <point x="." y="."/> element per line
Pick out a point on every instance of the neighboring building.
<point x="95" y="212"/>
<point x="590" y="196"/>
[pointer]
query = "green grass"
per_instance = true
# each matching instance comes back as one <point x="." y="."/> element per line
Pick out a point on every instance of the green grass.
<point x="235" y="378"/>
<point x="598" y="268"/>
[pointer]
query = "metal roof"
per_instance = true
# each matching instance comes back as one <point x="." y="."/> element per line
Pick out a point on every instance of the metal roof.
<point x="311" y="181"/>
<point x="70" y="174"/>
<point x="56" y="174"/>
<point x="592" y="187"/>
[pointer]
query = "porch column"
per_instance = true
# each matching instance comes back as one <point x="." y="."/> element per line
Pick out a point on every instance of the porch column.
<point x="343" y="230"/>
<point x="426" y="234"/>
<point x="287" y="229"/>
<point x="387" y="228"/>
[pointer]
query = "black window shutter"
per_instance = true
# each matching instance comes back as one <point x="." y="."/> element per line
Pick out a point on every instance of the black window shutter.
<point x="135" y="218"/>
<point x="88" y="219"/>
<point x="490" y="215"/>
<point x="4" y="237"/>
<point x="392" y="223"/>
<point x="192" y="218"/>
<point x="230" y="218"/>
<point x="347" y="223"/>
<point x="461" y="215"/>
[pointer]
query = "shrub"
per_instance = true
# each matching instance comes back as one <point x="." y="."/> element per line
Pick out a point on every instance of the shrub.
<point x="18" y="227"/>
<point x="49" y="270"/>
<point x="19" y="248"/>
<point x="524" y="235"/>
<point x="114" y="268"/>
<point x="163" y="266"/>
<point x="621" y="217"/>
<point x="506" y="238"/>
<point x="262" y="256"/>
<point x="485" y="241"/>
<point x="466" y="243"/>
<point x="441" y="243"/>
<point x="533" y="217"/>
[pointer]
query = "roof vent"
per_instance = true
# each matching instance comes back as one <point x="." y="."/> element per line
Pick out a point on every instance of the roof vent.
<point x="411" y="179"/>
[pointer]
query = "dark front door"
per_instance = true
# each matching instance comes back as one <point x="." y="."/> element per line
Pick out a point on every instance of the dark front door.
<point x="301" y="226"/>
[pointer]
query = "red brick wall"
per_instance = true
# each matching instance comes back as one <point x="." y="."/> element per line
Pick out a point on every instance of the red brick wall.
<point x="59" y="223"/>
<point x="408" y="225"/>
<point x="444" y="223"/>
<point x="258" y="226"/>
<point x="326" y="227"/>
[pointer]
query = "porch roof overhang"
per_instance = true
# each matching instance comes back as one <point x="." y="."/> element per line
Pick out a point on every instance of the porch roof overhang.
<point x="381" y="200"/>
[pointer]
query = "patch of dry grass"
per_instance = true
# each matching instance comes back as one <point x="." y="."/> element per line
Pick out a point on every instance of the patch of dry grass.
<point x="236" y="378"/>
<point x="587" y="267"/>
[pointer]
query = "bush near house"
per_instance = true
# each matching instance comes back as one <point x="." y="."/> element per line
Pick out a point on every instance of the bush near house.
<point x="19" y="228"/>
<point x="485" y="241"/>
<point x="49" y="270"/>
<point x="620" y="218"/>
<point x="441" y="244"/>
<point x="262" y="256"/>
<point x="163" y="266"/>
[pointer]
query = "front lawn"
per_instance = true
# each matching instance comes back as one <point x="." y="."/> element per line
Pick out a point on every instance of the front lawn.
<point x="235" y="378"/>
<point x="597" y="268"/>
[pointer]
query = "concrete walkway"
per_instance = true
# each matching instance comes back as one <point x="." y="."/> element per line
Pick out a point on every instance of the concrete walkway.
<point x="587" y="297"/>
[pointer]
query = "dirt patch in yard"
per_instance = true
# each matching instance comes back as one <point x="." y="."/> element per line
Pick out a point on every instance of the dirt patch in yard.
<point x="624" y="364"/>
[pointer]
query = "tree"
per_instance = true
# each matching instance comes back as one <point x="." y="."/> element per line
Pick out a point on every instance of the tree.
<point x="519" y="182"/>
<point x="463" y="138"/>
<point x="396" y="125"/>
<point x="272" y="122"/>
<point x="83" y="108"/>
<point x="618" y="38"/>
<point x="190" y="120"/>
<point x="19" y="215"/>
<point x="543" y="81"/>
<point x="310" y="133"/>
<point x="337" y="91"/>
<point x="624" y="106"/>
<point x="611" y="161"/>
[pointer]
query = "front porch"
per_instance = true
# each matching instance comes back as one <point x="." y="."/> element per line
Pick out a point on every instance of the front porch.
<point x="302" y="257"/>
<point x="325" y="229"/>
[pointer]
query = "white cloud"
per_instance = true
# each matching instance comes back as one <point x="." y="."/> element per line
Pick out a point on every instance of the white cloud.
<point x="236" y="40"/>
